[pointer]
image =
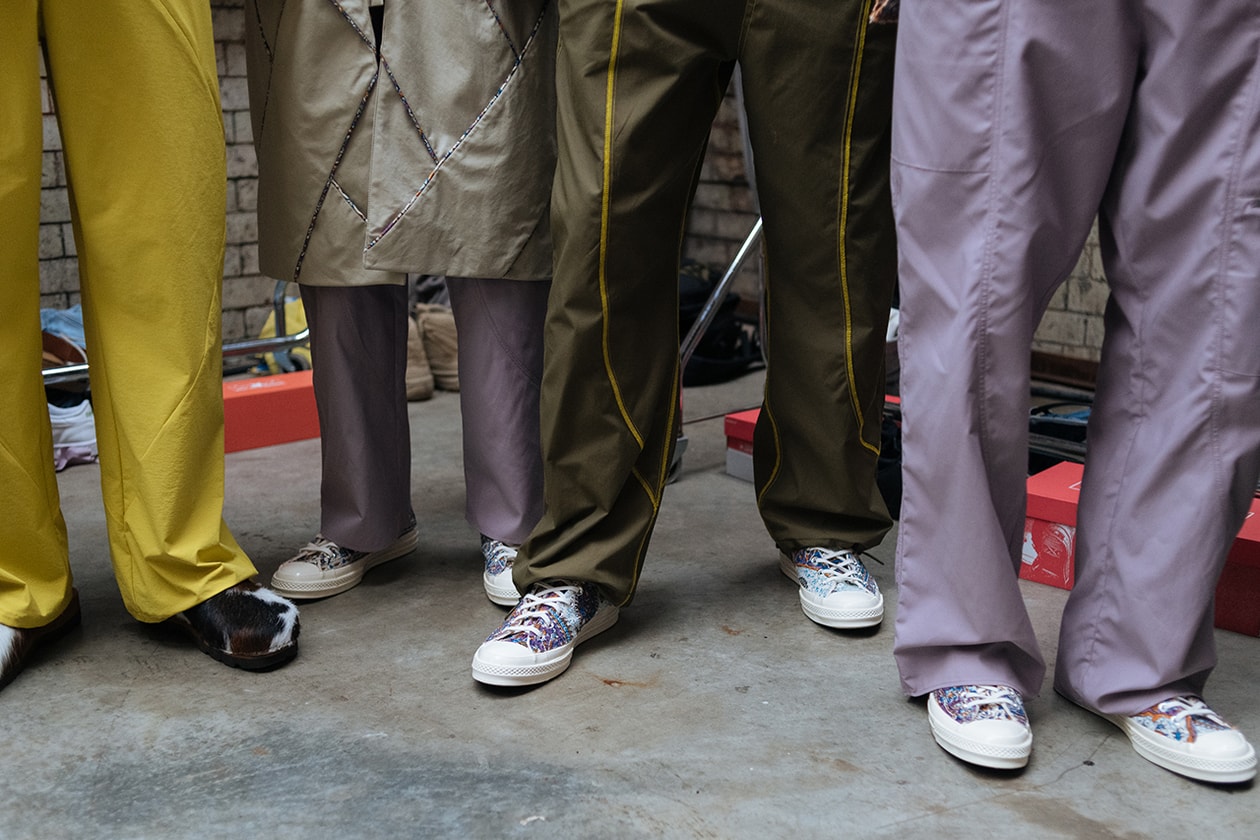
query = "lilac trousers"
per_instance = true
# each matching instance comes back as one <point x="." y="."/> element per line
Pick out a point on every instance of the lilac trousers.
<point x="358" y="346"/>
<point x="1016" y="123"/>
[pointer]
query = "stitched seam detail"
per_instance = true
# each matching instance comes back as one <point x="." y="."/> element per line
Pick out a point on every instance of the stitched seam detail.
<point x="605" y="200"/>
<point x="855" y="75"/>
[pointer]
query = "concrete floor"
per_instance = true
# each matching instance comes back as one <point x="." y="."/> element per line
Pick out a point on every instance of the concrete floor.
<point x="713" y="709"/>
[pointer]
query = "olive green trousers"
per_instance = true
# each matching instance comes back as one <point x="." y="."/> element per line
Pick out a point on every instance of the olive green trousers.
<point x="639" y="83"/>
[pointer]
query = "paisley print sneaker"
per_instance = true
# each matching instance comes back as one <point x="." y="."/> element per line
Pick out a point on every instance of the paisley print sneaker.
<point x="1184" y="735"/>
<point x="536" y="641"/>
<point x="836" y="589"/>
<point x="981" y="724"/>
<point x="497" y="578"/>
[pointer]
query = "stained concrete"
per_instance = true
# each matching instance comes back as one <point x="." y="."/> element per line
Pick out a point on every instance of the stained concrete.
<point x="712" y="709"/>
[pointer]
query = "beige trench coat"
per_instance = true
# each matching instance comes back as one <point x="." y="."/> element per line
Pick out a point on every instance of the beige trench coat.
<point x="436" y="158"/>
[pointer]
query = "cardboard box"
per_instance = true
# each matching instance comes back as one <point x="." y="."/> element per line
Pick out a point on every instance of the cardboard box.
<point x="1238" y="590"/>
<point x="739" y="443"/>
<point x="1050" y="526"/>
<point x="267" y="410"/>
<point x="1050" y="536"/>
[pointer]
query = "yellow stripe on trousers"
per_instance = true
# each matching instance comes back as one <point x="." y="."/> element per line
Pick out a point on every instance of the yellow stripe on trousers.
<point x="654" y="494"/>
<point x="854" y="80"/>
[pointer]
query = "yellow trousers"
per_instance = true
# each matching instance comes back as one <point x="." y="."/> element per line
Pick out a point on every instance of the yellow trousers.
<point x="136" y="95"/>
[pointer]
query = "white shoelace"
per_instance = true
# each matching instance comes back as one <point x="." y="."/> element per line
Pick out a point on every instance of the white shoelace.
<point x="1001" y="698"/>
<point x="840" y="567"/>
<point x="497" y="552"/>
<point x="535" y="603"/>
<point x="324" y="553"/>
<point x="1193" y="707"/>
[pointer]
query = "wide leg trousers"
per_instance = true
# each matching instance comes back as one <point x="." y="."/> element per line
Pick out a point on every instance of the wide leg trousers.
<point x="639" y="83"/>
<point x="138" y="108"/>
<point x="358" y="345"/>
<point x="1015" y="123"/>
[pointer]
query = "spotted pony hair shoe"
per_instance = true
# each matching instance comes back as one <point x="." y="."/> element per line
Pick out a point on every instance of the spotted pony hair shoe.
<point x="245" y="626"/>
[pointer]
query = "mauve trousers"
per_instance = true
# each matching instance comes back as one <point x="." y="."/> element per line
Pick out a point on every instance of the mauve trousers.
<point x="1015" y="123"/>
<point x="358" y="347"/>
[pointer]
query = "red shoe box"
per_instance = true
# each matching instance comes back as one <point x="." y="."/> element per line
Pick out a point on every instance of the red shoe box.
<point x="1238" y="590"/>
<point x="739" y="438"/>
<point x="267" y="410"/>
<point x="1050" y="536"/>
<point x="1050" y="526"/>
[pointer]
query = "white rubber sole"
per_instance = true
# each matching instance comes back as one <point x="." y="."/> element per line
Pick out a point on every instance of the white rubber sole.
<point x="542" y="667"/>
<point x="819" y="612"/>
<point x="504" y="596"/>
<point x="949" y="735"/>
<point x="1229" y="769"/>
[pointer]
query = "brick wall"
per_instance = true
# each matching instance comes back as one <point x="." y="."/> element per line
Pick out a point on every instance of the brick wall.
<point x="58" y="270"/>
<point x="1072" y="325"/>
<point x="720" y="218"/>
<point x="246" y="294"/>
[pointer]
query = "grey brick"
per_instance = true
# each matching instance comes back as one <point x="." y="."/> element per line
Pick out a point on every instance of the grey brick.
<point x="1094" y="332"/>
<point x="54" y="300"/>
<point x="50" y="244"/>
<point x="59" y="275"/>
<point x="241" y="161"/>
<point x="235" y="52"/>
<point x="255" y="317"/>
<point x="229" y="23"/>
<point x="52" y="171"/>
<point x="1063" y="327"/>
<point x="52" y="134"/>
<point x="234" y="93"/>
<point x="246" y="193"/>
<point x="245" y="292"/>
<point x="1087" y="295"/>
<point x="1059" y="300"/>
<point x="242" y="227"/>
<point x="231" y="262"/>
<point x="249" y="258"/>
<point x="54" y="205"/>
<point x="233" y="325"/>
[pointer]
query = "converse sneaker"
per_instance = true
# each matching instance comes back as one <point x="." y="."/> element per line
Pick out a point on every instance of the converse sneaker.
<point x="324" y="568"/>
<point x="1184" y="735"/>
<point x="73" y="434"/>
<point x="981" y="724"/>
<point x="836" y="589"/>
<point x="498" y="575"/>
<point x="536" y="641"/>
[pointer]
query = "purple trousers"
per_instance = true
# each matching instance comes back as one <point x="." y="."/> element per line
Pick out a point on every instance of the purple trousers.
<point x="358" y="347"/>
<point x="1016" y="123"/>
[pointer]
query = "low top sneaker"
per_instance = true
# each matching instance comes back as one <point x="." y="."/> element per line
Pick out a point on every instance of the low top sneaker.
<point x="1184" y="735"/>
<point x="981" y="724"/>
<point x="324" y="568"/>
<point x="536" y="641"/>
<point x="498" y="575"/>
<point x="836" y="589"/>
<point x="73" y="434"/>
